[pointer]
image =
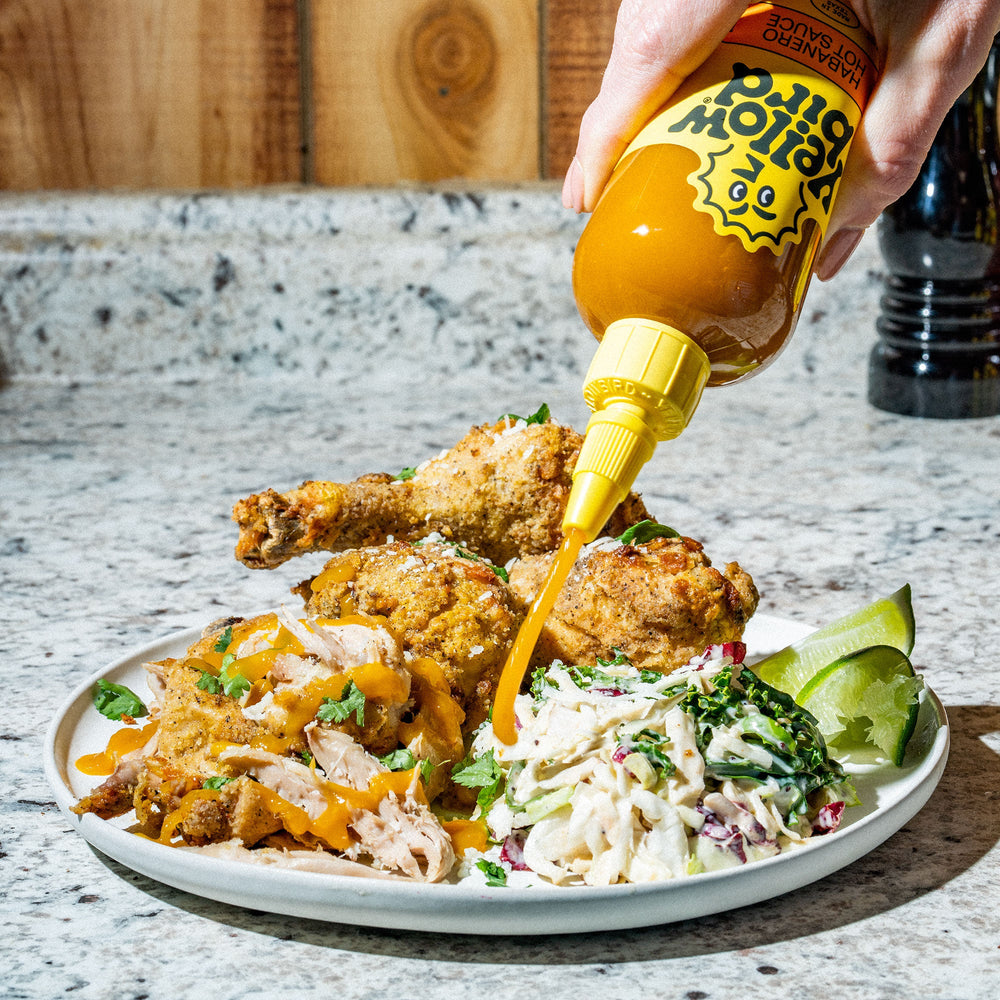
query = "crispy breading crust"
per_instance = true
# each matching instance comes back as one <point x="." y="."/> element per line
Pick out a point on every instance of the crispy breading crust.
<point x="660" y="603"/>
<point x="455" y="610"/>
<point x="500" y="491"/>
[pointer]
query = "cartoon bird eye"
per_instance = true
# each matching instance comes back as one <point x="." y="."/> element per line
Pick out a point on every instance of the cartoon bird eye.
<point x="765" y="197"/>
<point x="738" y="191"/>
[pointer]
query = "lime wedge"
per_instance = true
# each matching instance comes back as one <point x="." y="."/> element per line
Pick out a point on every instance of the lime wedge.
<point x="867" y="697"/>
<point x="886" y="622"/>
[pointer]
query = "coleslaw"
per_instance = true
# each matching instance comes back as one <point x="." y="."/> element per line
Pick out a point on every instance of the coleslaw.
<point x="621" y="775"/>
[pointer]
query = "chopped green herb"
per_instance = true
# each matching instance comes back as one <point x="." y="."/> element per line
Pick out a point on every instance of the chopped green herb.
<point x="233" y="682"/>
<point x="352" y="699"/>
<point x="224" y="641"/>
<point x="209" y="682"/>
<point x="227" y="682"/>
<point x="216" y="781"/>
<point x="495" y="874"/>
<point x="621" y="659"/>
<point x="651" y="745"/>
<point x="646" y="531"/>
<point x="472" y="557"/>
<point x="115" y="700"/>
<point x="588" y="678"/>
<point x="483" y="773"/>
<point x="540" y="416"/>
<point x="235" y="686"/>
<point x="307" y="757"/>
<point x="408" y="473"/>
<point x="402" y="759"/>
<point x="771" y="719"/>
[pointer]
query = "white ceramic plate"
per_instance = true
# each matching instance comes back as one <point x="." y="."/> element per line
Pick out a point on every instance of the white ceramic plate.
<point x="890" y="797"/>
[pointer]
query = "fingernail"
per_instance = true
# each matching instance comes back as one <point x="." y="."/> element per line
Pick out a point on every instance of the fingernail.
<point x="837" y="252"/>
<point x="572" y="192"/>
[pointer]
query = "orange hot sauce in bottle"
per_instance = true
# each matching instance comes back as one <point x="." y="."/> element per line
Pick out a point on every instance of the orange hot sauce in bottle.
<point x="692" y="269"/>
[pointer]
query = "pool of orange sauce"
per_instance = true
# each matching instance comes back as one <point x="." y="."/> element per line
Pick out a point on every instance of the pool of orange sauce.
<point x="504" y="726"/>
<point x="122" y="741"/>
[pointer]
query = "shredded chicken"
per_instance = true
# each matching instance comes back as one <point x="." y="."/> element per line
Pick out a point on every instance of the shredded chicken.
<point x="297" y="859"/>
<point x="399" y="833"/>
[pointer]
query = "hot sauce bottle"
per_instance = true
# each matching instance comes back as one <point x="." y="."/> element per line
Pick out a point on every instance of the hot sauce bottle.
<point x="692" y="269"/>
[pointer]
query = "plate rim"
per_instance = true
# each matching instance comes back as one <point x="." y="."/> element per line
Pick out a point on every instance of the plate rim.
<point x="475" y="908"/>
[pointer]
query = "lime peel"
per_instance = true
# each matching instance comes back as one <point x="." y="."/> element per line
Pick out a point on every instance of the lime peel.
<point x="870" y="696"/>
<point x="886" y="622"/>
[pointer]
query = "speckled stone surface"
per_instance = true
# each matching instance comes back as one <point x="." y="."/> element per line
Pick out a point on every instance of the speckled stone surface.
<point x="166" y="356"/>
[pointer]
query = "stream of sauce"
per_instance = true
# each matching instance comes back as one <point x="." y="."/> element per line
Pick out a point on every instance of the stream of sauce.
<point x="504" y="724"/>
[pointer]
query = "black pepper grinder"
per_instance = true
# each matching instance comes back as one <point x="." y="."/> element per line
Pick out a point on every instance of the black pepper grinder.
<point x="939" y="323"/>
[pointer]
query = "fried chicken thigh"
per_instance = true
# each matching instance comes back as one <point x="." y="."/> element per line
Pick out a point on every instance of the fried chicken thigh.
<point x="501" y="491"/>
<point x="660" y="603"/>
<point x="449" y="607"/>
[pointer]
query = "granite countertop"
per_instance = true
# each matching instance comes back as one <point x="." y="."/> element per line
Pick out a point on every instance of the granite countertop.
<point x="167" y="355"/>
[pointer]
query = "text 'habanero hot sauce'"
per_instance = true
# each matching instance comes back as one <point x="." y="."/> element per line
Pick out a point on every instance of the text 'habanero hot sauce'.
<point x="692" y="270"/>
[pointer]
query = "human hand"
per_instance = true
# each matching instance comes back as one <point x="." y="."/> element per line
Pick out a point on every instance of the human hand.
<point x="931" y="50"/>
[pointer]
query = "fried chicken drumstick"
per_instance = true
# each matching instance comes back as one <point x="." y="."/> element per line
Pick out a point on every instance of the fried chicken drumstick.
<point x="501" y="491"/>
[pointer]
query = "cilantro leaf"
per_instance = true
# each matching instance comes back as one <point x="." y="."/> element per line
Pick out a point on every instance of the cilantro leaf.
<point x="224" y="641"/>
<point x="540" y="416"/>
<point x="646" y="531"/>
<point x="472" y="557"/>
<point x="402" y="759"/>
<point x="209" y="682"/>
<point x="115" y="700"/>
<point x="483" y="773"/>
<point x="408" y="473"/>
<point x="233" y="682"/>
<point x="621" y="659"/>
<point x="229" y="681"/>
<point x="235" y="685"/>
<point x="651" y="745"/>
<point x="352" y="699"/>
<point x="216" y="781"/>
<point x="496" y="875"/>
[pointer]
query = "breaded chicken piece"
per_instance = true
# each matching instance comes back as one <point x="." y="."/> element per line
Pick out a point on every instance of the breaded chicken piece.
<point x="312" y="657"/>
<point x="191" y="722"/>
<point x="451" y="608"/>
<point x="660" y="603"/>
<point x="501" y="491"/>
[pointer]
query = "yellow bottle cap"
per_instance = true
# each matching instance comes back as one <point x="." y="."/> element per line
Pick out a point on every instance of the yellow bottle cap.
<point x="643" y="386"/>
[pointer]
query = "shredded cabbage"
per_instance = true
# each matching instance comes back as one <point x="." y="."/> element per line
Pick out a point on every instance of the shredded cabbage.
<point x="626" y="775"/>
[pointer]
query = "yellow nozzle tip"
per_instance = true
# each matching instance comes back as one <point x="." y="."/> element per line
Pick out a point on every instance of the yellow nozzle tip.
<point x="617" y="445"/>
<point x="643" y="385"/>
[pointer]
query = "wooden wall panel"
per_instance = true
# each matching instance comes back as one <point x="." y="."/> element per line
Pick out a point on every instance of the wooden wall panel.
<point x="424" y="90"/>
<point x="578" y="37"/>
<point x="148" y="93"/>
<point x="207" y="93"/>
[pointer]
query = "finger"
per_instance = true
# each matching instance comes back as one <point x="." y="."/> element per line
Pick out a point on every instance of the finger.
<point x="657" y="44"/>
<point x="927" y="67"/>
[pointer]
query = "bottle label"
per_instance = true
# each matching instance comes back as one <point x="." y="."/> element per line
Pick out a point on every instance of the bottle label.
<point x="771" y="116"/>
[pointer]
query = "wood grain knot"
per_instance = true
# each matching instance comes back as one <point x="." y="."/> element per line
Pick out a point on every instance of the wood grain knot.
<point x="452" y="58"/>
